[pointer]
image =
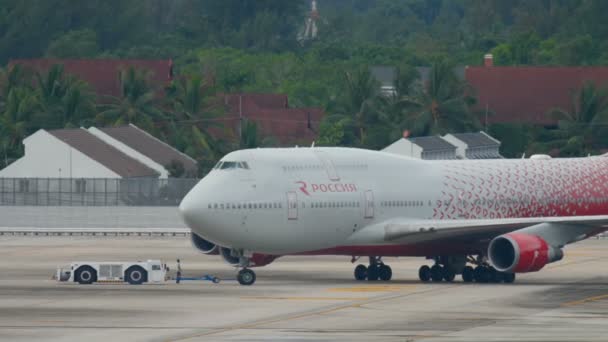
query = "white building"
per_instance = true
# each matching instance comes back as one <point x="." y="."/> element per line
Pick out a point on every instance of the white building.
<point x="73" y="153"/>
<point x="451" y="146"/>
<point x="119" y="152"/>
<point x="479" y="145"/>
<point x="433" y="147"/>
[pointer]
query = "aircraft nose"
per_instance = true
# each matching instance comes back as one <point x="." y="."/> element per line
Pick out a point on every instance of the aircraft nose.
<point x="188" y="209"/>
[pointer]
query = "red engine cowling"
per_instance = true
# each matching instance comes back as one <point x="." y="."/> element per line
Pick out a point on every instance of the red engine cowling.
<point x="520" y="253"/>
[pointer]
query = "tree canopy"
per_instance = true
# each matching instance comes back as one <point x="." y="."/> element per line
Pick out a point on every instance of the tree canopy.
<point x="252" y="46"/>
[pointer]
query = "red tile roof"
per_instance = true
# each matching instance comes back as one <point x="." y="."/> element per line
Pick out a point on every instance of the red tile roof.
<point x="102" y="74"/>
<point x="526" y="94"/>
<point x="249" y="100"/>
<point x="273" y="117"/>
<point x="98" y="150"/>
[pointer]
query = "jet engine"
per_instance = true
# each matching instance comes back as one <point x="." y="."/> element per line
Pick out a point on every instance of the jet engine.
<point x="203" y="245"/>
<point x="520" y="253"/>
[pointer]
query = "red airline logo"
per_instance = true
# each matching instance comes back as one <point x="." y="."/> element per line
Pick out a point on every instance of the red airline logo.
<point x="327" y="187"/>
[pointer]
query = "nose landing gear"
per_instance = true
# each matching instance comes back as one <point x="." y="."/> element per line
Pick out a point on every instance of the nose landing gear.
<point x="246" y="277"/>
<point x="376" y="270"/>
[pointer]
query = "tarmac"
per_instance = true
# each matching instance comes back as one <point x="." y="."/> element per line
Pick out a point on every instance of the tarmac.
<point x="294" y="299"/>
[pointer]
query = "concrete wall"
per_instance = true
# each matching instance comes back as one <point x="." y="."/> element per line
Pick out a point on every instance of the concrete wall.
<point x="90" y="217"/>
<point x="48" y="157"/>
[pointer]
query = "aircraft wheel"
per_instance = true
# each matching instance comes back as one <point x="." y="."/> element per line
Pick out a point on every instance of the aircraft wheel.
<point x="495" y="276"/>
<point x="482" y="274"/>
<point x="360" y="272"/>
<point x="373" y="272"/>
<point x="246" y="277"/>
<point x="448" y="275"/>
<point x="508" y="277"/>
<point x="468" y="274"/>
<point x="437" y="273"/>
<point x="385" y="272"/>
<point x="424" y="273"/>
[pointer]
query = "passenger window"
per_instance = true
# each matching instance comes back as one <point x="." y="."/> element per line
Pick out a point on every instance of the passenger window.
<point x="214" y="205"/>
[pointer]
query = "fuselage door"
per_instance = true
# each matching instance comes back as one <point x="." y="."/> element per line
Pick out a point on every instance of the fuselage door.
<point x="328" y="165"/>
<point x="369" y="204"/>
<point x="292" y="205"/>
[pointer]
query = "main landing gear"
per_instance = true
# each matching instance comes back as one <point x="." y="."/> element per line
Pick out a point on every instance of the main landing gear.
<point x="376" y="270"/>
<point x="446" y="268"/>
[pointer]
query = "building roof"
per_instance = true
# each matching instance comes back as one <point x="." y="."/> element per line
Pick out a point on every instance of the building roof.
<point x="527" y="94"/>
<point x="96" y="149"/>
<point x="248" y="101"/>
<point x="432" y="143"/>
<point x="273" y="116"/>
<point x="384" y="74"/>
<point x="102" y="74"/>
<point x="478" y="139"/>
<point x="151" y="147"/>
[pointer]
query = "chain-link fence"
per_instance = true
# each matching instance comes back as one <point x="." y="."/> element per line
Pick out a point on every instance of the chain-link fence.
<point x="94" y="191"/>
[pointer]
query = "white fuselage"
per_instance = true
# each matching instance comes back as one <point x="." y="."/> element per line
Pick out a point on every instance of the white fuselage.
<point x="299" y="200"/>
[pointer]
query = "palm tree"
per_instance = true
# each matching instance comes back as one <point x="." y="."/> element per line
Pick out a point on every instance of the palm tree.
<point x="78" y="105"/>
<point x="193" y="115"/>
<point x="64" y="101"/>
<point x="360" y="100"/>
<point x="136" y="103"/>
<point x="442" y="105"/>
<point x="10" y="78"/>
<point x="580" y="128"/>
<point x="15" y="118"/>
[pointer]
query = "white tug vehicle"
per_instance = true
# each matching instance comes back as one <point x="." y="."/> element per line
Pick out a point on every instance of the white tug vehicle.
<point x="134" y="273"/>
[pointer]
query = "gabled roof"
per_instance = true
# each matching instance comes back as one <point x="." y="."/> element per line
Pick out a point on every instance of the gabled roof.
<point x="102" y="74"/>
<point x="250" y="101"/>
<point x="273" y="116"/>
<point x="85" y="142"/>
<point x="384" y="74"/>
<point x="478" y="139"/>
<point x="527" y="94"/>
<point x="433" y="143"/>
<point x="151" y="147"/>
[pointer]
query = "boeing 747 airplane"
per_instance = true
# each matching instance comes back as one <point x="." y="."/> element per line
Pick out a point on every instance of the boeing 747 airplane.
<point x="483" y="219"/>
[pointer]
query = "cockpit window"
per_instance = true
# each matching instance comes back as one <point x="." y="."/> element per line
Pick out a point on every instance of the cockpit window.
<point x="225" y="165"/>
<point x="228" y="165"/>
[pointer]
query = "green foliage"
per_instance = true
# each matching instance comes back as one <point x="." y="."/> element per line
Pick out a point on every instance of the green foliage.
<point x="74" y="44"/>
<point x="441" y="106"/>
<point x="251" y="46"/>
<point x="581" y="126"/>
<point x="137" y="103"/>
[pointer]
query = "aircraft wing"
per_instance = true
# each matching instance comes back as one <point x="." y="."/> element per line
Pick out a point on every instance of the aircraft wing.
<point x="557" y="230"/>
